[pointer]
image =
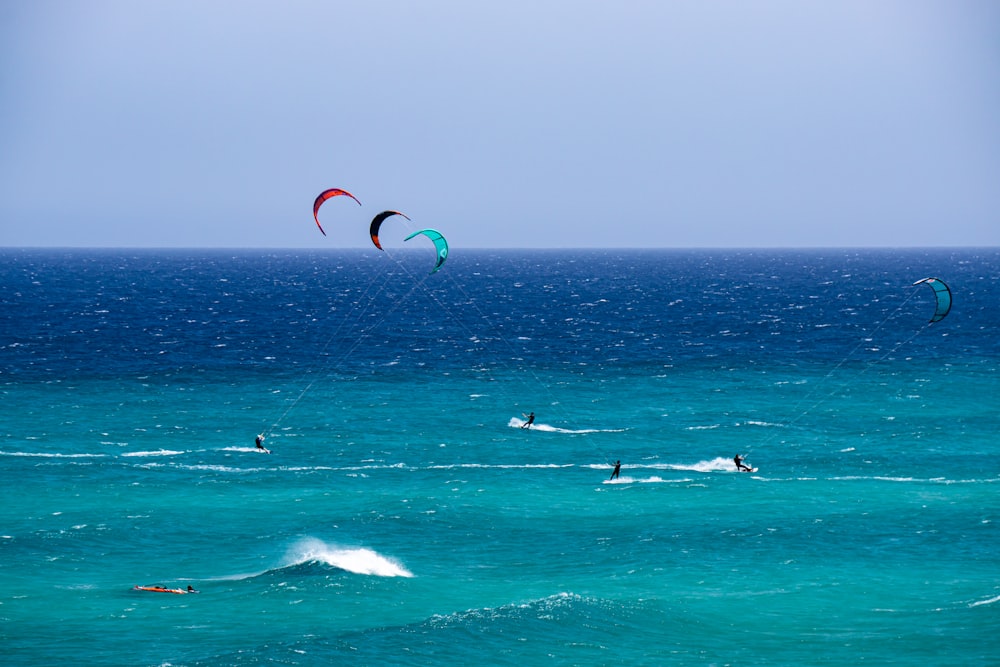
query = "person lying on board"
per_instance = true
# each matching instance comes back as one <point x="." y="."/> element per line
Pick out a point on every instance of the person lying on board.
<point x="163" y="589"/>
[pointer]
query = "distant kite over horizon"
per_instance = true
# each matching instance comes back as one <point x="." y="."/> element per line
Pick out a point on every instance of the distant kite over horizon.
<point x="323" y="196"/>
<point x="377" y="223"/>
<point x="439" y="243"/>
<point x="943" y="294"/>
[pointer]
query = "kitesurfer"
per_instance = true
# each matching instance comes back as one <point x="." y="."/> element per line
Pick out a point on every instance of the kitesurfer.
<point x="531" y="420"/>
<point x="739" y="464"/>
<point x="260" y="443"/>
<point x="617" y="470"/>
<point x="163" y="589"/>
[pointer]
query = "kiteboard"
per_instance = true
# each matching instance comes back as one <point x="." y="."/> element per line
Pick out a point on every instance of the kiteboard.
<point x="750" y="470"/>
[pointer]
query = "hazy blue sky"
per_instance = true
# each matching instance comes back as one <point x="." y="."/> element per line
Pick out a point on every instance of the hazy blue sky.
<point x="562" y="123"/>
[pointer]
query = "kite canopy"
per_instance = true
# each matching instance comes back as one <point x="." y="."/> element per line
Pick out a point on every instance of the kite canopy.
<point x="377" y="222"/>
<point x="943" y="294"/>
<point x="439" y="242"/>
<point x="323" y="196"/>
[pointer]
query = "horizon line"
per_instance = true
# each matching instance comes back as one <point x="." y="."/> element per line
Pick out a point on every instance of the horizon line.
<point x="510" y="248"/>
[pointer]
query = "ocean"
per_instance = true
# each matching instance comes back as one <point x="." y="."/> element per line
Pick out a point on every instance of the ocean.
<point x="403" y="515"/>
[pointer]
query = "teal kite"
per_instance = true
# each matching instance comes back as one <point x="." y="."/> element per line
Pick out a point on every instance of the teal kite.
<point x="943" y="295"/>
<point x="439" y="242"/>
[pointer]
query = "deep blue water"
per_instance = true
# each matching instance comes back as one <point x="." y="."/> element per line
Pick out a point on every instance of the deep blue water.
<point x="403" y="517"/>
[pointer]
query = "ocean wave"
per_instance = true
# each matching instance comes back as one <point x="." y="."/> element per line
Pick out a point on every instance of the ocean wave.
<point x="499" y="466"/>
<point x="159" y="452"/>
<point x="980" y="603"/>
<point x="355" y="560"/>
<point x="198" y="467"/>
<point x="542" y="617"/>
<point x="548" y="604"/>
<point x="563" y="624"/>
<point x="912" y="480"/>
<point x="718" y="464"/>
<point x="749" y="422"/>
<point x="53" y="455"/>
<point x="217" y="468"/>
<point x="645" y="480"/>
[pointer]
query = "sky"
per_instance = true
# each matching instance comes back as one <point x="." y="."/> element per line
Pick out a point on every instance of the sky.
<point x="515" y="124"/>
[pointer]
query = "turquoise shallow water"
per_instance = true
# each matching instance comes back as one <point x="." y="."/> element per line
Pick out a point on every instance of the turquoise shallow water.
<point x="405" y="518"/>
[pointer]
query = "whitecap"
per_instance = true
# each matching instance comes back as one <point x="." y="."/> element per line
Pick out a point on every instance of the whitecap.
<point x="654" y="479"/>
<point x="991" y="600"/>
<point x="547" y="428"/>
<point x="356" y="560"/>
<point x="47" y="455"/>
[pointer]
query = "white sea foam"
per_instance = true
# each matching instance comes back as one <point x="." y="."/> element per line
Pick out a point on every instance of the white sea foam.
<point x="501" y="466"/>
<point x="356" y="560"/>
<point x="980" y="603"/>
<point x="547" y="428"/>
<point x="218" y="468"/>
<point x="47" y="455"/>
<point x="645" y="480"/>
<point x="719" y="464"/>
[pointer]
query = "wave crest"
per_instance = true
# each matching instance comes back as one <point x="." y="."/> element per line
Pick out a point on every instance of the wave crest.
<point x="357" y="560"/>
